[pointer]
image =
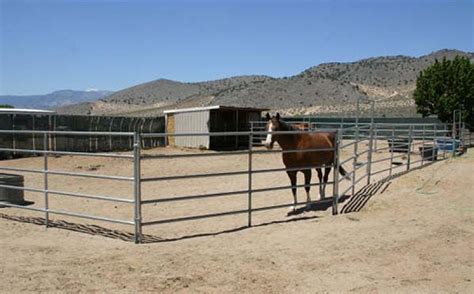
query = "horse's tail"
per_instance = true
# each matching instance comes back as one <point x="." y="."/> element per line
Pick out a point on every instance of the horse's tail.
<point x="343" y="172"/>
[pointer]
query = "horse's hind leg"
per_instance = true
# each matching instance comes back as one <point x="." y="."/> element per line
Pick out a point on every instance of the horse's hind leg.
<point x="327" y="171"/>
<point x="292" y="176"/>
<point x="307" y="187"/>
<point x="320" y="177"/>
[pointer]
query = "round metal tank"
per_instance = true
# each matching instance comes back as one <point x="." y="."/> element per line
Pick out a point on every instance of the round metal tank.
<point x="12" y="196"/>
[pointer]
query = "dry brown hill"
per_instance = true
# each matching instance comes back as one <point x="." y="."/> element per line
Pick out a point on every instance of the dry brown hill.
<point x="329" y="88"/>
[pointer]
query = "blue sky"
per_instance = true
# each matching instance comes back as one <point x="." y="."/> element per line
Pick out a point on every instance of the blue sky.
<point x="51" y="45"/>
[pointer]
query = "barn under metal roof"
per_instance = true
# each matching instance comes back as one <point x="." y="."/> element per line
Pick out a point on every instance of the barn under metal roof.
<point x="213" y="107"/>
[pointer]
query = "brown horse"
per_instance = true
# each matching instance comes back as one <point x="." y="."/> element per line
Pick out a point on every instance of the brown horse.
<point x="303" y="159"/>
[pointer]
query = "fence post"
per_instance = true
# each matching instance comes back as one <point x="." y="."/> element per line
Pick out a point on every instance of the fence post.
<point x="137" y="187"/>
<point x="250" y="180"/>
<point x="46" y="192"/>
<point x="391" y="150"/>
<point x="434" y="151"/>
<point x="422" y="145"/>
<point x="335" y="197"/>
<point x="445" y="134"/>
<point x="356" y="156"/>
<point x="375" y="139"/>
<point x="410" y="133"/>
<point x="454" y="139"/>
<point x="369" y="154"/>
<point x="356" y="147"/>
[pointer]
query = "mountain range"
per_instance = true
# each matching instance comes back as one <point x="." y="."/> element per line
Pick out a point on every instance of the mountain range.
<point x="326" y="89"/>
<point x="53" y="100"/>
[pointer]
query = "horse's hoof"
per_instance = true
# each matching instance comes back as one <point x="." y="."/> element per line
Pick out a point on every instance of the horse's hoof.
<point x="308" y="206"/>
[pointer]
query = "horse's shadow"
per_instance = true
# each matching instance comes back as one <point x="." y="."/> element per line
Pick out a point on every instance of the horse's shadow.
<point x="320" y="205"/>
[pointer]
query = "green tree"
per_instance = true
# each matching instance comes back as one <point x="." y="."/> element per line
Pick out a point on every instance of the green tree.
<point x="444" y="87"/>
<point x="6" y="106"/>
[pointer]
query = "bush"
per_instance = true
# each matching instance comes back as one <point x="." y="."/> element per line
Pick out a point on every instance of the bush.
<point x="444" y="87"/>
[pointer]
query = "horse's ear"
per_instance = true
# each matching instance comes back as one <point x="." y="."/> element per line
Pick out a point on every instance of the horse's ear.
<point x="268" y="116"/>
<point x="277" y="116"/>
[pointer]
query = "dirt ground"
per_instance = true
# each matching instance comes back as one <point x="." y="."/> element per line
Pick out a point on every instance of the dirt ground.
<point x="413" y="233"/>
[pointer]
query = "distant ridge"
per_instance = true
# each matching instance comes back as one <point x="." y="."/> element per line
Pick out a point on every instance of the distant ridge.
<point x="326" y="89"/>
<point x="53" y="100"/>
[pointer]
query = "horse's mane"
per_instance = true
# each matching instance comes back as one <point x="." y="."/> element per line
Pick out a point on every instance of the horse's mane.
<point x="287" y="127"/>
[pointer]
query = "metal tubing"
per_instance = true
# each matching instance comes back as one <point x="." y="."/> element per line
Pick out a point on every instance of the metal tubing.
<point x="381" y="160"/>
<point x="191" y="197"/>
<point x="335" y="198"/>
<point x="348" y="144"/>
<point x="39" y="171"/>
<point x="423" y="146"/>
<point x="104" y="177"/>
<point x="269" y="170"/>
<point x="89" y="196"/>
<point x="193" y="176"/>
<point x="246" y="133"/>
<point x="45" y="168"/>
<point x="21" y="206"/>
<point x="66" y="153"/>
<point x="391" y="153"/>
<point x="167" y="156"/>
<point x="79" y="133"/>
<point x="72" y="194"/>
<point x="380" y="171"/>
<point x="369" y="154"/>
<point x="409" y="147"/>
<point x="294" y="150"/>
<point x="60" y="212"/>
<point x="356" y="147"/>
<point x="347" y="160"/>
<point x="361" y="165"/>
<point x="22" y="188"/>
<point x="137" y="188"/>
<point x="375" y="141"/>
<point x="169" y="178"/>
<point x="249" y="220"/>
<point x="195" y="217"/>
<point x="286" y="187"/>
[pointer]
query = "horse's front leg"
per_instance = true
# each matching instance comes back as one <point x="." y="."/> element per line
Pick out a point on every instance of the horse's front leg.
<point x="307" y="187"/>
<point x="292" y="176"/>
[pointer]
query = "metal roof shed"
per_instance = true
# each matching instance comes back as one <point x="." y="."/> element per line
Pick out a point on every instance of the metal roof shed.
<point x="208" y="120"/>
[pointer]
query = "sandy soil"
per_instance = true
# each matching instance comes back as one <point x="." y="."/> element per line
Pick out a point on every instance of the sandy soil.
<point x="411" y="234"/>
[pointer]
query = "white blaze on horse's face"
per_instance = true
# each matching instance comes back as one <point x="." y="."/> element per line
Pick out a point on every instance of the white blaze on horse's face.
<point x="269" y="141"/>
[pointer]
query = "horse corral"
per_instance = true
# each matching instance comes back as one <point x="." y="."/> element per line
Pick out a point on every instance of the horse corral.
<point x="415" y="234"/>
<point x="154" y="189"/>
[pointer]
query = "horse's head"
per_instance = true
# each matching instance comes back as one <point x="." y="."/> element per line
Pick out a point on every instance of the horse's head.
<point x="273" y="124"/>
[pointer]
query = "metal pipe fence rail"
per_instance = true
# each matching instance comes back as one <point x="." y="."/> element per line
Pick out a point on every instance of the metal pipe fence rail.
<point x="47" y="172"/>
<point x="250" y="171"/>
<point x="354" y="149"/>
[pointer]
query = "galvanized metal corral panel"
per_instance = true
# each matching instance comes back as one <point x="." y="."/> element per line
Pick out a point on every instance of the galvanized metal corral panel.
<point x="192" y="122"/>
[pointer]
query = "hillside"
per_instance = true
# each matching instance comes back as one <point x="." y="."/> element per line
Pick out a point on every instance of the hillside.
<point x="329" y="88"/>
<point x="53" y="100"/>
